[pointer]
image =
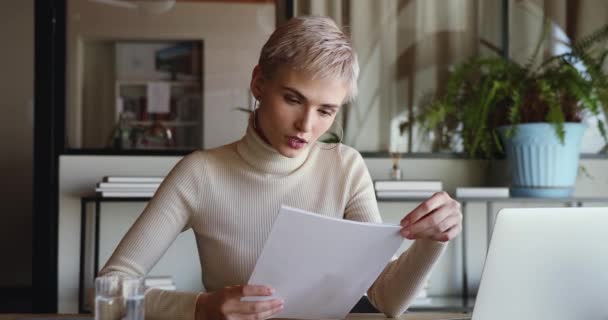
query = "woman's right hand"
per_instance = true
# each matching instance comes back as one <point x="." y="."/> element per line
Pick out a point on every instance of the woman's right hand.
<point x="226" y="304"/>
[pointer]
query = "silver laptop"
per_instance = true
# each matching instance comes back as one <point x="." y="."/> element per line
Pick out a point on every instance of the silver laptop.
<point x="546" y="263"/>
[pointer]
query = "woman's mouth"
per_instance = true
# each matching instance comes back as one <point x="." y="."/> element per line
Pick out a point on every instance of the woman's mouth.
<point x="295" y="142"/>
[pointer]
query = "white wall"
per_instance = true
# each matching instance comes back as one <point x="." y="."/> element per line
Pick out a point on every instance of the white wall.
<point x="16" y="141"/>
<point x="78" y="175"/>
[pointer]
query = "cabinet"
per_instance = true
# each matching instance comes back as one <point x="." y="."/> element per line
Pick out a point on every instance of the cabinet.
<point x="178" y="126"/>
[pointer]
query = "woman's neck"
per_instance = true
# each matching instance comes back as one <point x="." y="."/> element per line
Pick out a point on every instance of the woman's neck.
<point x="261" y="155"/>
<point x="258" y="128"/>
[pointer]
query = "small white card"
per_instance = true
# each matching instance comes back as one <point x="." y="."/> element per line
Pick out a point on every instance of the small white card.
<point x="159" y="97"/>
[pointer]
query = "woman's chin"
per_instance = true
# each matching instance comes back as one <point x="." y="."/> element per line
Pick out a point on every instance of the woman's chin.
<point x="290" y="152"/>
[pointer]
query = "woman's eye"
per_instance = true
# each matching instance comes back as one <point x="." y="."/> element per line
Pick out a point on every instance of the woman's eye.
<point x="291" y="100"/>
<point x="325" y="113"/>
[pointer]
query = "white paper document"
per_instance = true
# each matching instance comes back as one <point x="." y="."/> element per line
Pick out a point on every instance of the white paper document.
<point x="322" y="266"/>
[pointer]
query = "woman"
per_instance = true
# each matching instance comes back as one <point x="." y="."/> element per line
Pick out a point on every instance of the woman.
<point x="231" y="195"/>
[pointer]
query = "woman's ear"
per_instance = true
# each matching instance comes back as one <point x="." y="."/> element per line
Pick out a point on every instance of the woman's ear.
<point x="257" y="82"/>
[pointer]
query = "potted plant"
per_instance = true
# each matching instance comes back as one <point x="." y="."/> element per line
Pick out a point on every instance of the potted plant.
<point x="532" y="112"/>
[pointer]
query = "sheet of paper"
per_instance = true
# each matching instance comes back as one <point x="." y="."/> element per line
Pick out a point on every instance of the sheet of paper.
<point x="159" y="95"/>
<point x="322" y="266"/>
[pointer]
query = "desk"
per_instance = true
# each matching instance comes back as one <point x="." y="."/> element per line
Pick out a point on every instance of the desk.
<point x="352" y="316"/>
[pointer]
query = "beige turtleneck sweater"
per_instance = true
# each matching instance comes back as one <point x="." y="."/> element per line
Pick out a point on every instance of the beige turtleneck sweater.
<point x="230" y="196"/>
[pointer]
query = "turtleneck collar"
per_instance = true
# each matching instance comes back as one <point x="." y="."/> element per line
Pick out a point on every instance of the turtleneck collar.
<point x="264" y="157"/>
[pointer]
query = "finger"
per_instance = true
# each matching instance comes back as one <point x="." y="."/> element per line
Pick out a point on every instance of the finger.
<point x="430" y="221"/>
<point x="425" y="208"/>
<point x="449" y="234"/>
<point x="435" y="232"/>
<point x="253" y="290"/>
<point x="252" y="307"/>
<point x="262" y="315"/>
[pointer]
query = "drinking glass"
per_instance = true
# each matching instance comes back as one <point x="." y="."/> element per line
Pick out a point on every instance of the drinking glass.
<point x="119" y="298"/>
<point x="133" y="298"/>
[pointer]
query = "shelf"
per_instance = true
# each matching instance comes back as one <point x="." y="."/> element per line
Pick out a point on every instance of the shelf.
<point x="96" y="197"/>
<point x="502" y="199"/>
<point x="185" y="83"/>
<point x="519" y="199"/>
<point x="165" y="123"/>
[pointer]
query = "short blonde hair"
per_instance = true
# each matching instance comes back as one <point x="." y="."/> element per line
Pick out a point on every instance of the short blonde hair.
<point x="316" y="45"/>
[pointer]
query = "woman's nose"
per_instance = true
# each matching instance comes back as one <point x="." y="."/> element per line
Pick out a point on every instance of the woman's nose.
<point x="304" y="121"/>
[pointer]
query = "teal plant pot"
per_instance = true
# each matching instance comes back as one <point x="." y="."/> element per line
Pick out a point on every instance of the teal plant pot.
<point x="541" y="166"/>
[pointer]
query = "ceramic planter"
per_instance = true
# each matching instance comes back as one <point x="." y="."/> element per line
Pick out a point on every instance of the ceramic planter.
<point x="541" y="166"/>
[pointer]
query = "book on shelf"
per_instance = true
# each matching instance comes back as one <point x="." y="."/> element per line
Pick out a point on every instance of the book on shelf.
<point x="404" y="194"/>
<point x="408" y="185"/>
<point x="133" y="179"/>
<point x="126" y="194"/>
<point x="148" y="190"/>
<point x="168" y="287"/>
<point x="130" y="186"/>
<point x="159" y="282"/>
<point x="482" y="192"/>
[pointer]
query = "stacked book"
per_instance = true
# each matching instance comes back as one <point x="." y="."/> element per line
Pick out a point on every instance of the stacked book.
<point x="159" y="282"/>
<point x="125" y="187"/>
<point x="404" y="189"/>
<point x="482" y="192"/>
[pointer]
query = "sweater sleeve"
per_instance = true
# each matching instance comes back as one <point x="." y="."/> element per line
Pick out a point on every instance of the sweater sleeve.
<point x="397" y="285"/>
<point x="361" y="204"/>
<point x="164" y="218"/>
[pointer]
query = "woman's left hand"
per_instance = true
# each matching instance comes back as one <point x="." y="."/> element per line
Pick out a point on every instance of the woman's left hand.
<point x="438" y="218"/>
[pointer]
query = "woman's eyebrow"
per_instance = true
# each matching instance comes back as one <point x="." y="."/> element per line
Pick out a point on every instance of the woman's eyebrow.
<point x="296" y="92"/>
<point x="302" y="97"/>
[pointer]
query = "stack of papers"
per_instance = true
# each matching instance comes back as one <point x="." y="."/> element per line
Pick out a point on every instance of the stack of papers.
<point x="322" y="266"/>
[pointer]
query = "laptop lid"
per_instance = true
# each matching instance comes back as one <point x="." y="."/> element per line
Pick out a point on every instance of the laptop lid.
<point x="546" y="263"/>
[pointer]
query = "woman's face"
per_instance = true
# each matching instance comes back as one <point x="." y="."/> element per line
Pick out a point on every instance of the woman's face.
<point x="295" y="110"/>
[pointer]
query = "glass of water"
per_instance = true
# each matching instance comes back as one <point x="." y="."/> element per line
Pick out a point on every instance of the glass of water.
<point x="133" y="298"/>
<point x="119" y="298"/>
